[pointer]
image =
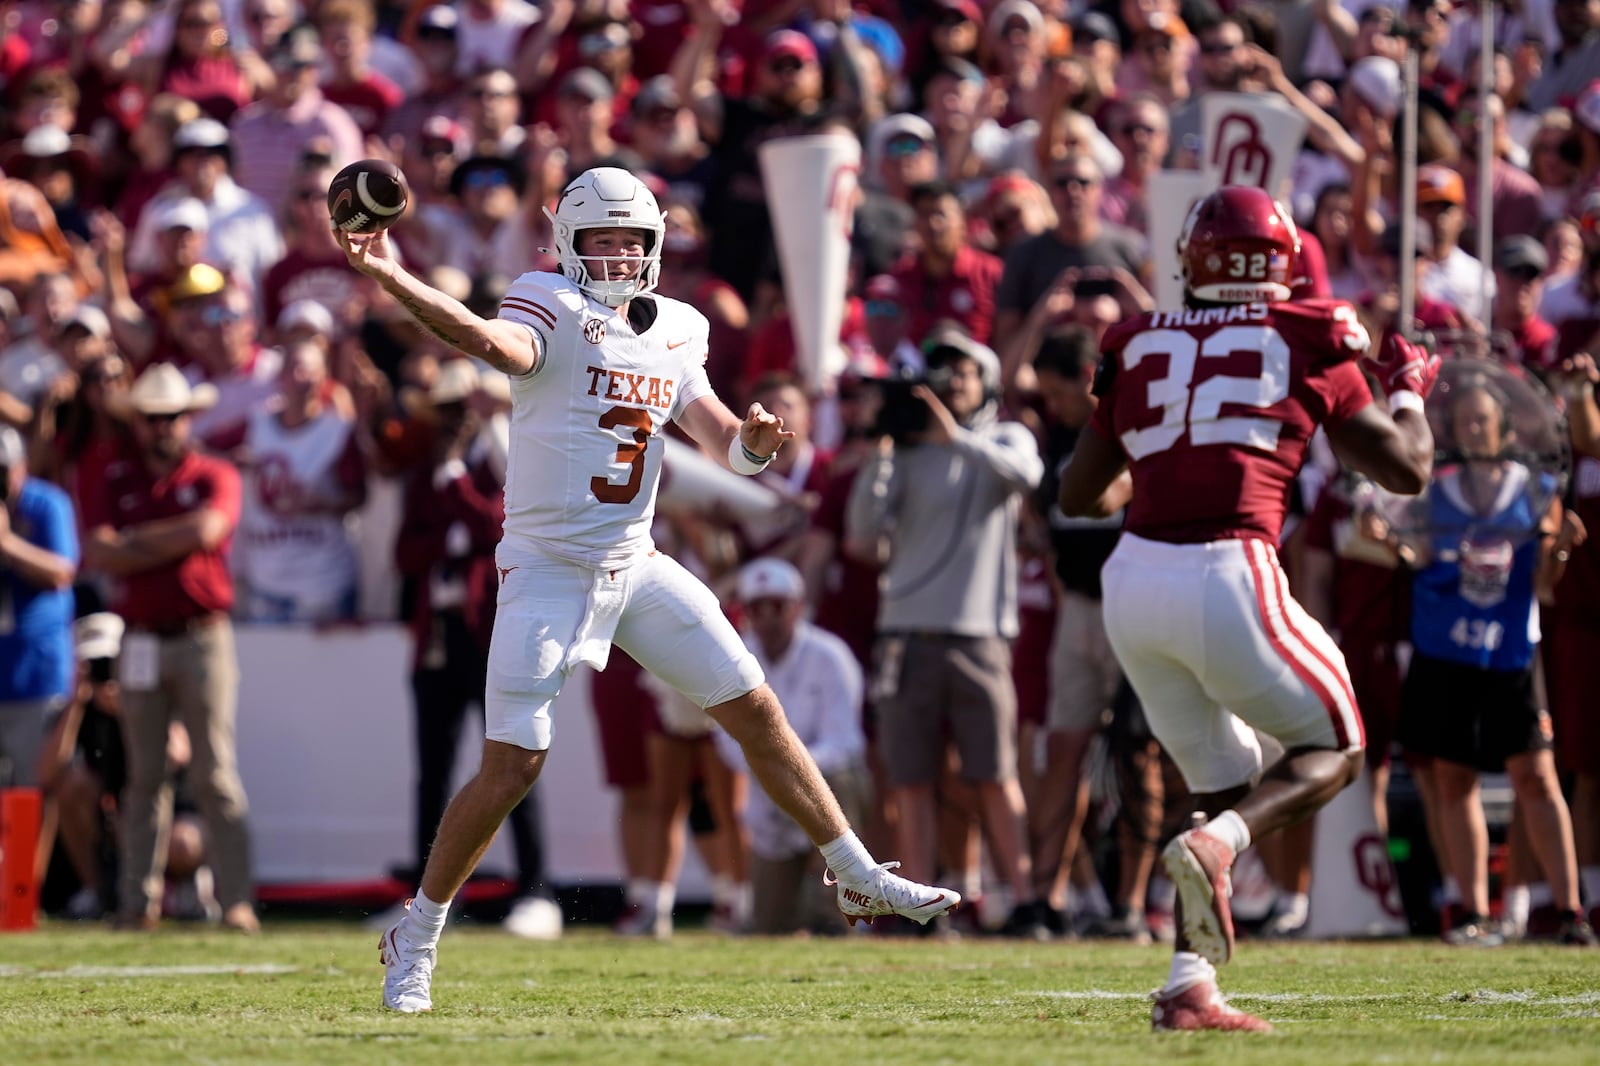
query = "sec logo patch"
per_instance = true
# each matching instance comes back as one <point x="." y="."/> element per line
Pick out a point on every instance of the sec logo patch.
<point x="594" y="331"/>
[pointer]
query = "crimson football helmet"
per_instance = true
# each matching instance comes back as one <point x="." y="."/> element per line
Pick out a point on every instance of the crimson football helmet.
<point x="1238" y="245"/>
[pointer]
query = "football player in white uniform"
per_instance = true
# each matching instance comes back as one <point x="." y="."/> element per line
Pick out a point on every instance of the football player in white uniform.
<point x="597" y="366"/>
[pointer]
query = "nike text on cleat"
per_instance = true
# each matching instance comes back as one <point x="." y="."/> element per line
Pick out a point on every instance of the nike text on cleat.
<point x="1198" y="865"/>
<point x="1199" y="1007"/>
<point x="885" y="892"/>
<point x="408" y="970"/>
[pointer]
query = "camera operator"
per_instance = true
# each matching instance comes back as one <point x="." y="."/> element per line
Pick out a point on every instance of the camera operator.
<point x="942" y="499"/>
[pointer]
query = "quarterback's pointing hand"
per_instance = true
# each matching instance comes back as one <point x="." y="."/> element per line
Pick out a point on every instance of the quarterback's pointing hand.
<point x="762" y="431"/>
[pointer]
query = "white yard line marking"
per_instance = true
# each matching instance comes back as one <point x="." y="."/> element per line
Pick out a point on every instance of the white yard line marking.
<point x="78" y="972"/>
<point x="1479" y="995"/>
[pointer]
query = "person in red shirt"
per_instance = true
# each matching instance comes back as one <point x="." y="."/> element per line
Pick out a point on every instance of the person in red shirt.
<point x="368" y="96"/>
<point x="161" y="526"/>
<point x="946" y="278"/>
<point x="1210" y="409"/>
<point x="1520" y="263"/>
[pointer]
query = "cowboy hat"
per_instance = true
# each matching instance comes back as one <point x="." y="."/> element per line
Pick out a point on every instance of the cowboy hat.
<point x="163" y="390"/>
<point x="49" y="142"/>
<point x="455" y="382"/>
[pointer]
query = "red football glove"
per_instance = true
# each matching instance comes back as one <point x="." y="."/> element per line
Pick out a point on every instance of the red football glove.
<point x="1405" y="367"/>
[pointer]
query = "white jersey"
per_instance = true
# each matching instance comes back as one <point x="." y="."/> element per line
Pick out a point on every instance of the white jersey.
<point x="585" y="453"/>
<point x="281" y="548"/>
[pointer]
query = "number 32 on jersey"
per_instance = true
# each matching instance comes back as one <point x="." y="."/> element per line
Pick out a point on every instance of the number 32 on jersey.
<point x="1196" y="409"/>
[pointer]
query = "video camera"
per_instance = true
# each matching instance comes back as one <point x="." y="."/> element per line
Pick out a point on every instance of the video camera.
<point x="902" y="416"/>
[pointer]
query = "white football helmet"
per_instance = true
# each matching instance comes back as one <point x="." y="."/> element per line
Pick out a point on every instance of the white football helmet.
<point x="597" y="199"/>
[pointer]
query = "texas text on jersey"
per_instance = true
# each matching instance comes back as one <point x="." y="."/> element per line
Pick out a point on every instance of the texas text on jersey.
<point x="1214" y="408"/>
<point x="584" y="462"/>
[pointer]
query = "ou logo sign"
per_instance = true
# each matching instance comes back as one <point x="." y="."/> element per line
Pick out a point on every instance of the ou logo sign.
<point x="1376" y="872"/>
<point x="1239" y="152"/>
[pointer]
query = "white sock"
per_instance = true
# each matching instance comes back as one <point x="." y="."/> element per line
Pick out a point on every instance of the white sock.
<point x="665" y="895"/>
<point x="1514" y="907"/>
<point x="641" y="891"/>
<point x="1589" y="883"/>
<point x="1539" y="894"/>
<point x="1229" y="828"/>
<point x="743" y="902"/>
<point x="848" y="858"/>
<point x="721" y="890"/>
<point x="427" y="917"/>
<point x="1188" y="970"/>
<point x="1294" y="905"/>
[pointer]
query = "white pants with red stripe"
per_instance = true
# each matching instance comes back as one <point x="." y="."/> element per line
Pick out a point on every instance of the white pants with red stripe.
<point x="1216" y="648"/>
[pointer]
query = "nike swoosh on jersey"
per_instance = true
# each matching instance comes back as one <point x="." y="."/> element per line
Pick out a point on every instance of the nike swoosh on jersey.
<point x="677" y="344"/>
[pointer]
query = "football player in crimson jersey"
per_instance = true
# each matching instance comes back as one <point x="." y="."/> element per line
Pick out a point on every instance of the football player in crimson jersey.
<point x="598" y="363"/>
<point x="1210" y="409"/>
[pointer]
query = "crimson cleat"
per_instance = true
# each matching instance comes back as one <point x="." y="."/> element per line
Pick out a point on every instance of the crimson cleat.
<point x="1201" y="1007"/>
<point x="1198" y="865"/>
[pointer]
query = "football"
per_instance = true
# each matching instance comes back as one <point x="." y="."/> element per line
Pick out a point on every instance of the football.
<point x="367" y="196"/>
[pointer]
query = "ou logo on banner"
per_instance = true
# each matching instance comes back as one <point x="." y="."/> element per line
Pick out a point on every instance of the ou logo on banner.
<point x="1239" y="153"/>
<point x="1376" y="872"/>
<point x="841" y="201"/>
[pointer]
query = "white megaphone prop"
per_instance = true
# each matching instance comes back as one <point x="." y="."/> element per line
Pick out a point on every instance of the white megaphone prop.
<point x="811" y="192"/>
<point x="691" y="479"/>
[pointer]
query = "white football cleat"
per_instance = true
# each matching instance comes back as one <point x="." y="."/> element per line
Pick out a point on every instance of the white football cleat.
<point x="408" y="970"/>
<point x="888" y="893"/>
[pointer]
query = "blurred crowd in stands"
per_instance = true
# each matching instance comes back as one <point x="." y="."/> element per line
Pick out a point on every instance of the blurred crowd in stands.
<point x="235" y="426"/>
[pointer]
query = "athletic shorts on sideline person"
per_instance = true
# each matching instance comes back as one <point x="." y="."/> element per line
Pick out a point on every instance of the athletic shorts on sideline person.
<point x="1216" y="648"/>
<point x="553" y="614"/>
<point x="1470" y="715"/>
<point x="935" y="690"/>
<point x="1084" y="672"/>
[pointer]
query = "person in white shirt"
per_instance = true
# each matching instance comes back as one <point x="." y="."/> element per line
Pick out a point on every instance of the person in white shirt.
<point x="821" y="685"/>
<point x="598" y="364"/>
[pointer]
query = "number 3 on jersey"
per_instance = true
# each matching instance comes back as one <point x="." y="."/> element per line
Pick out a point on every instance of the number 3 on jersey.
<point x="1196" y="408"/>
<point x="629" y="452"/>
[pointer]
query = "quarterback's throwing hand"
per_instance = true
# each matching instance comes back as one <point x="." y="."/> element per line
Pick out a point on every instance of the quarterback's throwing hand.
<point x="762" y="431"/>
<point x="1405" y="367"/>
<point x="368" y="252"/>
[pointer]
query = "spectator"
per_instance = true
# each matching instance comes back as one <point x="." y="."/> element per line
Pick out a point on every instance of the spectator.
<point x="491" y="113"/>
<point x="946" y="503"/>
<point x="273" y="136"/>
<point x="31" y="362"/>
<point x="1495" y="542"/>
<point x="1220" y="67"/>
<point x="366" y="95"/>
<point x="1553" y="162"/>
<point x="1572" y="64"/>
<point x="294" y="561"/>
<point x="585" y="113"/>
<point x="666" y="135"/>
<point x="946" y="277"/>
<point x="62" y="168"/>
<point x="1516" y="330"/>
<point x="1139" y="131"/>
<point x="162" y="524"/>
<point x="487" y="32"/>
<point x="242" y="237"/>
<point x="313" y="267"/>
<point x="1515" y="195"/>
<point x="1331" y="222"/>
<point x="1157" y="66"/>
<point x="197" y="63"/>
<point x="1014" y="207"/>
<point x="1080" y="239"/>
<point x="1563" y="245"/>
<point x="823" y="685"/>
<point x="433" y="46"/>
<point x="798" y="474"/>
<point x="222" y="340"/>
<point x="483" y="235"/>
<point x="39" y="558"/>
<point x="151" y="146"/>
<point x="453" y="510"/>
<point x="684" y="276"/>
<point x="78" y="436"/>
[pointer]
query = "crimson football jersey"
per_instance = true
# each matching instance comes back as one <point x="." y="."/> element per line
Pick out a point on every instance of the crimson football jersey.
<point x="1214" y="408"/>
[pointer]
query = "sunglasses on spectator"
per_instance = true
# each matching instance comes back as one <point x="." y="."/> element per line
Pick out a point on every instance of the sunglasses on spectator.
<point x="1130" y="129"/>
<point x="485" y="179"/>
<point x="882" y="309"/>
<point x="900" y="147"/>
<point x="1073" y="181"/>
<point x="1218" y="49"/>
<point x="307" y="195"/>
<point x="220" y="316"/>
<point x="1156" y="44"/>
<point x="785" y="65"/>
<point x="766" y="604"/>
<point x="161" y="419"/>
<point x="1006" y="220"/>
<point x="1523" y="274"/>
<point x="99" y="374"/>
<point x="435" y="33"/>
<point x="490" y="94"/>
<point x="199" y="24"/>
<point x="661" y="114"/>
<point x="435" y="149"/>
<point x="951" y="18"/>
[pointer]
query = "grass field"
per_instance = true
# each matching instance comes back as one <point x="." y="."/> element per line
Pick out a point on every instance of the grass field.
<point x="309" y="993"/>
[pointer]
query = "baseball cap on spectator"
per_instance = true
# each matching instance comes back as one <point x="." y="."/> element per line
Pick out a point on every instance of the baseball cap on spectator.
<point x="49" y="142"/>
<point x="441" y="130"/>
<point x="1389" y="242"/>
<point x="1376" y="81"/>
<point x="1006" y="11"/>
<point x="949" y="337"/>
<point x="440" y="20"/>
<point x="306" y="314"/>
<point x="200" y="133"/>
<point x="456" y="380"/>
<point x="201" y="279"/>
<point x="770" y="579"/>
<point x="967" y="9"/>
<point x="956" y="67"/>
<point x="588" y="83"/>
<point x="900" y="135"/>
<point x="186" y="213"/>
<point x="1587" y="108"/>
<point x="788" y="44"/>
<point x="98" y="635"/>
<point x="882" y="294"/>
<point x="603" y="39"/>
<point x="486" y="169"/>
<point x="1521" y="254"/>
<point x="1439" y="184"/>
<point x="163" y="390"/>
<point x="660" y="93"/>
<point x="299" y="48"/>
<point x="1093" y="26"/>
<point x="90" y="319"/>
<point x="12" y="451"/>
